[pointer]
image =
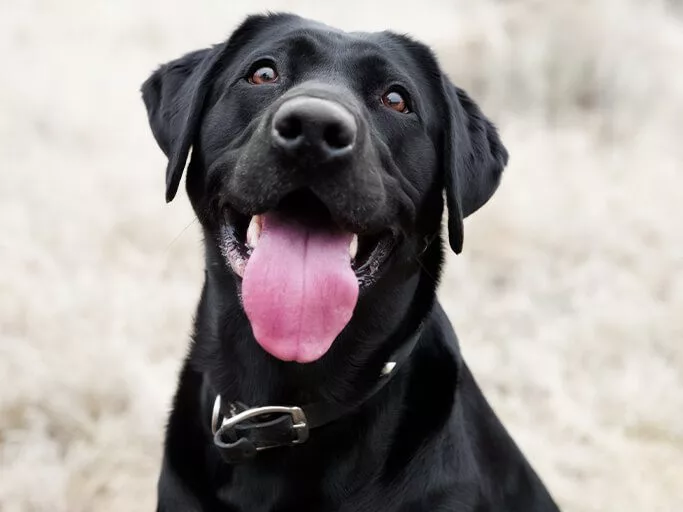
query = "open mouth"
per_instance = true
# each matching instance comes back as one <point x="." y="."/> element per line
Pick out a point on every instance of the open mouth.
<point x="301" y="273"/>
<point x="240" y="235"/>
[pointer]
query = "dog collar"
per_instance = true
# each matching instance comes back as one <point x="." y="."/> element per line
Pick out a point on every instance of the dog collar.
<point x="240" y="431"/>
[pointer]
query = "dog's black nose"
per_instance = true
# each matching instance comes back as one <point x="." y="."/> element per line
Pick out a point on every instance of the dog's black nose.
<point x="308" y="123"/>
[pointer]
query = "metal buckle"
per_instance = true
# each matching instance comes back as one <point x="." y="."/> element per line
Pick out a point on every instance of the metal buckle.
<point x="299" y="422"/>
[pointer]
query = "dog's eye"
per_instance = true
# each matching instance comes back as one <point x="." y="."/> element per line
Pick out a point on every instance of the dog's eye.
<point x="263" y="75"/>
<point x="395" y="100"/>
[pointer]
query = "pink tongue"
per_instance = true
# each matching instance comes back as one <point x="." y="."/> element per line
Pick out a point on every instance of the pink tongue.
<point x="299" y="289"/>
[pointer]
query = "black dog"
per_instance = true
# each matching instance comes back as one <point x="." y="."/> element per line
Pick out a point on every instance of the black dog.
<point x="318" y="167"/>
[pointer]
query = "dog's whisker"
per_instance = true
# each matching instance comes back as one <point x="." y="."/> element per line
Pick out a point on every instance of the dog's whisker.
<point x="182" y="232"/>
<point x="418" y="258"/>
<point x="423" y="267"/>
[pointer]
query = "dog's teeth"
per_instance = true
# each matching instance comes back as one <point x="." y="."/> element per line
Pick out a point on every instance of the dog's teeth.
<point x="353" y="247"/>
<point x="254" y="231"/>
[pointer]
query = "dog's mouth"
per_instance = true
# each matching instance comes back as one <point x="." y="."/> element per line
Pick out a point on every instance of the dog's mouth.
<point x="240" y="234"/>
<point x="301" y="273"/>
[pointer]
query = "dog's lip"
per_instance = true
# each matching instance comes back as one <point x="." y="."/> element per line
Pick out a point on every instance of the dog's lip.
<point x="372" y="250"/>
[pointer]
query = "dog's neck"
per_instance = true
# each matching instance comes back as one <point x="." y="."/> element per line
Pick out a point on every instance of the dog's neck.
<point x="240" y="370"/>
<point x="226" y="355"/>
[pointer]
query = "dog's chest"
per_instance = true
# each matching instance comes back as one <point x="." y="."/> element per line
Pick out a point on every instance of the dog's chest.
<point x="270" y="493"/>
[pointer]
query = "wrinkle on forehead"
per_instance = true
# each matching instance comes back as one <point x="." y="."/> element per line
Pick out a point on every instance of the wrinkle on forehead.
<point x="373" y="58"/>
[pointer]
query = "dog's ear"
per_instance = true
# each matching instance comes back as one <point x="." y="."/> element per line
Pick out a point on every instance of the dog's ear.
<point x="174" y="97"/>
<point x="474" y="158"/>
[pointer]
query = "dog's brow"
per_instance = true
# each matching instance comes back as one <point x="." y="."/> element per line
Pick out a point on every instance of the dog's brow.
<point x="373" y="67"/>
<point x="310" y="42"/>
<point x="302" y="44"/>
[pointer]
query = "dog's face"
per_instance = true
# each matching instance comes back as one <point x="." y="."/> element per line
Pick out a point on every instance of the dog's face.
<point x="319" y="161"/>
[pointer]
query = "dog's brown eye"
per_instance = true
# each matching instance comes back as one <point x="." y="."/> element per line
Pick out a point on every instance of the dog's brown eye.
<point x="263" y="75"/>
<point x="395" y="100"/>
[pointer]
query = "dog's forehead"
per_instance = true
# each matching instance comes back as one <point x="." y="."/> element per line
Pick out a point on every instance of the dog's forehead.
<point x="365" y="61"/>
<point x="300" y="37"/>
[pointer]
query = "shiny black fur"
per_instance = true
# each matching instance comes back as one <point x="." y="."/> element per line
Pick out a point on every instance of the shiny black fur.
<point x="428" y="441"/>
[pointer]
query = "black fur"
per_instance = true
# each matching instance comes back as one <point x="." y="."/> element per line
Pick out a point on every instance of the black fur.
<point x="428" y="441"/>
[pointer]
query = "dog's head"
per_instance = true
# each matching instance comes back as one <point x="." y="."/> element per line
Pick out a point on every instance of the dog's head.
<point x="317" y="162"/>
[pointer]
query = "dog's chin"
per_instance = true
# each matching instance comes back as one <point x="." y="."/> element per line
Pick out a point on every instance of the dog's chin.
<point x="300" y="273"/>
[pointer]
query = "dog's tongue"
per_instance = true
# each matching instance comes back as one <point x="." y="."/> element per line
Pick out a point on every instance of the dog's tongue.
<point x="299" y="289"/>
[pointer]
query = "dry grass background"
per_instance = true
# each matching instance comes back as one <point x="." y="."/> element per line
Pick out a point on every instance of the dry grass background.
<point x="568" y="298"/>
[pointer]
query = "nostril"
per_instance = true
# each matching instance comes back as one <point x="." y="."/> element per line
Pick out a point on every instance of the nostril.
<point x="338" y="135"/>
<point x="289" y="127"/>
<point x="321" y="127"/>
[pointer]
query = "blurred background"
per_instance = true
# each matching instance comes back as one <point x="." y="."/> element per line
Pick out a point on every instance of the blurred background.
<point x="568" y="297"/>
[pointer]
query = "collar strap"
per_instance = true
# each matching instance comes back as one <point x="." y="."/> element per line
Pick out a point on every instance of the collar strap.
<point x="245" y="431"/>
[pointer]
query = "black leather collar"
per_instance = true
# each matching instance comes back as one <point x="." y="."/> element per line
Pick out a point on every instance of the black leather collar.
<point x="240" y="431"/>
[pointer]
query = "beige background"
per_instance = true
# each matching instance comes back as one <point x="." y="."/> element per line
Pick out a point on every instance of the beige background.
<point x="568" y="298"/>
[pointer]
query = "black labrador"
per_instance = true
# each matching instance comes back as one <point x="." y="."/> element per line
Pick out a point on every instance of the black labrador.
<point x="323" y="373"/>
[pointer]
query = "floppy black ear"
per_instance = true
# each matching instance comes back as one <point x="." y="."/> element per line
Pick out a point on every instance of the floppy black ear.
<point x="474" y="160"/>
<point x="174" y="97"/>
